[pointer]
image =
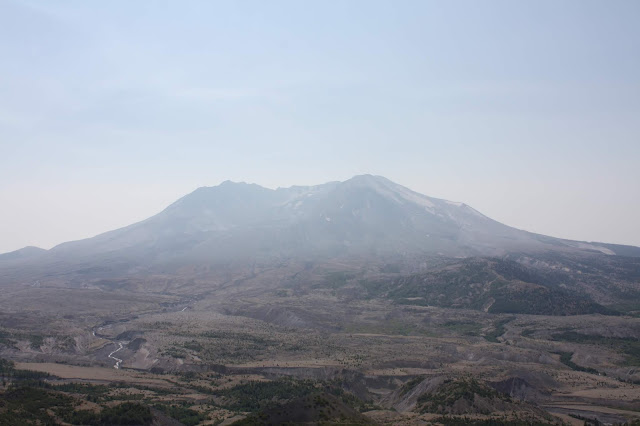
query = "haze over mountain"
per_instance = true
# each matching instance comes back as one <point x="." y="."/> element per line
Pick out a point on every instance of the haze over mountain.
<point x="366" y="216"/>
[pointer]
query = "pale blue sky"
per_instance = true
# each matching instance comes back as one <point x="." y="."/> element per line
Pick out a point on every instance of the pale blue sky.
<point x="527" y="111"/>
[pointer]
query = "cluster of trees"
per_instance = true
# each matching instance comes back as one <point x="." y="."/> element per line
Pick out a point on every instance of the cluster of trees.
<point x="29" y="399"/>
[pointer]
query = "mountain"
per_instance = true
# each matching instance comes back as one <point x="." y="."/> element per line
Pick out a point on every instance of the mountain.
<point x="28" y="252"/>
<point x="366" y="216"/>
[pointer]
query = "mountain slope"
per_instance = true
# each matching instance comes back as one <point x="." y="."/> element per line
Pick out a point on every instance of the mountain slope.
<point x="365" y="217"/>
<point x="28" y="252"/>
<point x="497" y="286"/>
<point x="366" y="214"/>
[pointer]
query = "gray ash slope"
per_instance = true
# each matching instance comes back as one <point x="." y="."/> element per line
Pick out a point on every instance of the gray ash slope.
<point x="366" y="216"/>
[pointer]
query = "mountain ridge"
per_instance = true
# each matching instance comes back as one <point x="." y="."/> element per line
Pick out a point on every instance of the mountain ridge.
<point x="364" y="215"/>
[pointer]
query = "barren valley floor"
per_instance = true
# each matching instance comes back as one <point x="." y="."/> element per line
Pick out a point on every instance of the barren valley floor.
<point x="218" y="353"/>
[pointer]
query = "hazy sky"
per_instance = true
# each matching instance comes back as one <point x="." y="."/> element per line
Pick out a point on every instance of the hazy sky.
<point x="527" y="111"/>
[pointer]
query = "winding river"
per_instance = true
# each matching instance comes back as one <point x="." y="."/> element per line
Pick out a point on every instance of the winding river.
<point x="117" y="360"/>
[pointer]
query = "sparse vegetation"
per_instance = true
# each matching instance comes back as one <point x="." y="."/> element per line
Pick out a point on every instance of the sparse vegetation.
<point x="184" y="415"/>
<point x="127" y="413"/>
<point x="253" y="396"/>
<point x="628" y="346"/>
<point x="565" y="358"/>
<point x="466" y="328"/>
<point x="502" y="286"/>
<point x="407" y="387"/>
<point x="498" y="330"/>
<point x="458" y="392"/>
